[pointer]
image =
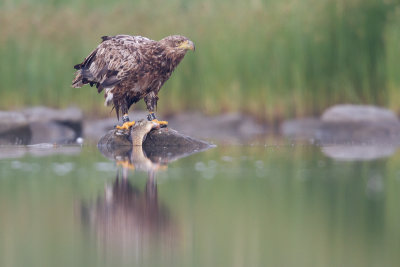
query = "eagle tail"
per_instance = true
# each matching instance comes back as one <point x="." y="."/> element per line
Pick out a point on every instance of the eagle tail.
<point x="105" y="38"/>
<point x="78" y="81"/>
<point x="82" y="77"/>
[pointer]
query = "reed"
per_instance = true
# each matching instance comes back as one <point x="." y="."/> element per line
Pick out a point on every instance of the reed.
<point x="273" y="59"/>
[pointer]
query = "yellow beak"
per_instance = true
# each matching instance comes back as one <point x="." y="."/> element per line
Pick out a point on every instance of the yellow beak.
<point x="188" y="45"/>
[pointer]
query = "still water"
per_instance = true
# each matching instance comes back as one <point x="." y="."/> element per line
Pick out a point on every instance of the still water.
<point x="228" y="206"/>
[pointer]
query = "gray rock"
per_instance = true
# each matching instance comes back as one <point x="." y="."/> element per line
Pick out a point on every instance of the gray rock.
<point x="303" y="129"/>
<point x="14" y="128"/>
<point x="53" y="125"/>
<point x="358" y="124"/>
<point x="52" y="132"/>
<point x="10" y="120"/>
<point x="167" y="137"/>
<point x="161" y="138"/>
<point x="347" y="124"/>
<point x="358" y="114"/>
<point x="70" y="115"/>
<point x="113" y="139"/>
<point x="39" y="125"/>
<point x="16" y="136"/>
<point x="144" y="157"/>
<point x="359" y="133"/>
<point x="165" y="144"/>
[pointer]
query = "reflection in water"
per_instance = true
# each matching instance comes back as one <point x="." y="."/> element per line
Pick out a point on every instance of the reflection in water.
<point x="232" y="206"/>
<point x="130" y="224"/>
<point x="358" y="153"/>
<point x="39" y="150"/>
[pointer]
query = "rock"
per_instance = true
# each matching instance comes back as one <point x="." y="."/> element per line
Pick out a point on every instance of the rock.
<point x="358" y="133"/>
<point x="347" y="124"/>
<point x="358" y="114"/>
<point x="161" y="138"/>
<point x="163" y="143"/>
<point x="16" y="136"/>
<point x="70" y="115"/>
<point x="52" y="132"/>
<point x="39" y="125"/>
<point x="14" y="128"/>
<point x="147" y="157"/>
<point x="10" y="120"/>
<point x="358" y="124"/>
<point x="168" y="145"/>
<point x="113" y="139"/>
<point x="166" y="137"/>
<point x="53" y="125"/>
<point x="303" y="129"/>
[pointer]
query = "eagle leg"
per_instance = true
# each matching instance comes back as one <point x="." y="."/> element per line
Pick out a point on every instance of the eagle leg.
<point x="151" y="102"/>
<point x="152" y="117"/>
<point x="126" y="123"/>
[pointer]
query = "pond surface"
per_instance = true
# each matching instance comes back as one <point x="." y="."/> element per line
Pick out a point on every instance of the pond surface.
<point x="228" y="206"/>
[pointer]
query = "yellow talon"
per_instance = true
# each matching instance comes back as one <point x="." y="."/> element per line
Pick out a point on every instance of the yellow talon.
<point x="160" y="122"/>
<point x="126" y="125"/>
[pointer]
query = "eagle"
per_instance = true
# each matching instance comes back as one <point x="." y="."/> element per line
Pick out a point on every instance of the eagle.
<point x="128" y="68"/>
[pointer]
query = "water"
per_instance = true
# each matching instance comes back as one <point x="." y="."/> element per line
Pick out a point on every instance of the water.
<point x="228" y="206"/>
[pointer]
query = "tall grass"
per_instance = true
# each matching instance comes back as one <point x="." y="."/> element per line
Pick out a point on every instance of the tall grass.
<point x="273" y="58"/>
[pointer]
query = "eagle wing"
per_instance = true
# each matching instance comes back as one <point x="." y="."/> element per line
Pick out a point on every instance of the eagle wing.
<point x="111" y="61"/>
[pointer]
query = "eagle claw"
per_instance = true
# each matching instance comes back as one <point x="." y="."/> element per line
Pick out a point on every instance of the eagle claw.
<point x="125" y="126"/>
<point x="162" y="124"/>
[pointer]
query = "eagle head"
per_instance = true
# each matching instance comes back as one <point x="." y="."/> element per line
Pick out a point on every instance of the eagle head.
<point x="178" y="43"/>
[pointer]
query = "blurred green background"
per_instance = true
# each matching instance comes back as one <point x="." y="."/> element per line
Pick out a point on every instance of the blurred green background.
<point x="270" y="58"/>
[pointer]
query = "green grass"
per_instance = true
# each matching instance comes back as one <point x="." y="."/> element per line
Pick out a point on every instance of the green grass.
<point x="274" y="59"/>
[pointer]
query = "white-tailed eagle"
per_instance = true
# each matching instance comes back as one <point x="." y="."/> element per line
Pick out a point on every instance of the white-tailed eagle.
<point x="129" y="68"/>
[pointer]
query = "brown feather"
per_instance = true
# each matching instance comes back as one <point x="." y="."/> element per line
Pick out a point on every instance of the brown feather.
<point x="130" y="68"/>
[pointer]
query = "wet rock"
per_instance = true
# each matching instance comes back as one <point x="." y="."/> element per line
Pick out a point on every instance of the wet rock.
<point x="347" y="124"/>
<point x="52" y="132"/>
<point x="167" y="137"/>
<point x="53" y="125"/>
<point x="114" y="139"/>
<point x="162" y="138"/>
<point x="14" y="128"/>
<point x="40" y="124"/>
<point x="358" y="124"/>
<point x="143" y="157"/>
<point x="10" y="120"/>
<point x="359" y="133"/>
<point x="358" y="114"/>
<point x="303" y="129"/>
<point x="169" y="145"/>
<point x="156" y="143"/>
<point x="70" y="115"/>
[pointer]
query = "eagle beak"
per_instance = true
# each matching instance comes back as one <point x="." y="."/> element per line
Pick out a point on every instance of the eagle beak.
<point x="187" y="45"/>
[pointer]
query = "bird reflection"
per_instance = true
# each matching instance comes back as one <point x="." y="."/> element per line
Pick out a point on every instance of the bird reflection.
<point x="127" y="222"/>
